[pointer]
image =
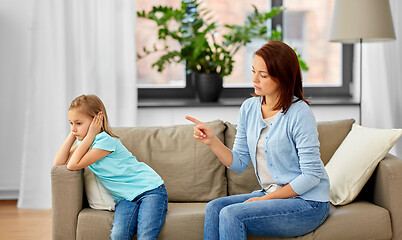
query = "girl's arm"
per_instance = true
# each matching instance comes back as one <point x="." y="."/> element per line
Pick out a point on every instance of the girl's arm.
<point x="204" y="134"/>
<point x="81" y="157"/>
<point x="65" y="151"/>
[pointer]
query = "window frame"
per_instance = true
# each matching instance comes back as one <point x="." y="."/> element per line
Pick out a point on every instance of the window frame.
<point x="188" y="91"/>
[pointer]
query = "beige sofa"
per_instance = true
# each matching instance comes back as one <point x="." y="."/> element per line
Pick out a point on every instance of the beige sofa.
<point x="193" y="176"/>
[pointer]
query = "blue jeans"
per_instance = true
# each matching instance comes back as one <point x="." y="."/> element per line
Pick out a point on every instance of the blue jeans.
<point x="143" y="216"/>
<point x="231" y="218"/>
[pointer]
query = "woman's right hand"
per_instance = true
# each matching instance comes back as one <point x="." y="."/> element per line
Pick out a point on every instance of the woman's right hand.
<point x="202" y="132"/>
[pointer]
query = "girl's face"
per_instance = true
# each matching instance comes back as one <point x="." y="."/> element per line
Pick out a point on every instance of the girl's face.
<point x="79" y="123"/>
<point x="264" y="85"/>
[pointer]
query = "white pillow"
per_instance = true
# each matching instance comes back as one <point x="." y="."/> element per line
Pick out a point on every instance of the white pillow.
<point x="98" y="197"/>
<point x="355" y="160"/>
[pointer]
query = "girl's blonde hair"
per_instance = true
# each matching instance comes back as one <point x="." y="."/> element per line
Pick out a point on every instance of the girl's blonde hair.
<point x="92" y="105"/>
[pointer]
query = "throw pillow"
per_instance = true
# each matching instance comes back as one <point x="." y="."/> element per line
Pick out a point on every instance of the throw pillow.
<point x="356" y="159"/>
<point x="98" y="197"/>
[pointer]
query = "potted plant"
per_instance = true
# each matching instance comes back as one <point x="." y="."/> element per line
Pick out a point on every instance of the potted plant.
<point x="206" y="52"/>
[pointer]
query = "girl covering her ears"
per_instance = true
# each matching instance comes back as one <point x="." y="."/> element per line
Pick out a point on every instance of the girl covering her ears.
<point x="139" y="192"/>
<point x="277" y="132"/>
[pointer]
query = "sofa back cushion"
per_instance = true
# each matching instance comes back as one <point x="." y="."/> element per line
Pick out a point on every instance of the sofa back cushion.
<point x="331" y="135"/>
<point x="191" y="171"/>
<point x="245" y="182"/>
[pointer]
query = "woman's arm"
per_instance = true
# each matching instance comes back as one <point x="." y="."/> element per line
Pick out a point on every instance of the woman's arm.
<point x="65" y="151"/>
<point x="305" y="137"/>
<point x="282" y="193"/>
<point x="204" y="134"/>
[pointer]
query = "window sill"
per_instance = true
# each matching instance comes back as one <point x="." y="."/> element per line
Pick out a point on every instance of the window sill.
<point x="236" y="102"/>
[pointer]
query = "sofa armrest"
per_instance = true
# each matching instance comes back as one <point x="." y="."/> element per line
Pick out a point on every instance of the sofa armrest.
<point x="388" y="191"/>
<point x="67" y="200"/>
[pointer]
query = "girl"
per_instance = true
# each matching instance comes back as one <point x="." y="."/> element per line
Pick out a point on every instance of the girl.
<point x="277" y="131"/>
<point x="139" y="192"/>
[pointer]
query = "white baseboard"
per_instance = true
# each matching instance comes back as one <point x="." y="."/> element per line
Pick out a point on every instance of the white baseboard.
<point x="9" y="194"/>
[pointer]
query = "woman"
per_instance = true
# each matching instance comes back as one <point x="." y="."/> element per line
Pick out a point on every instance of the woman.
<point x="277" y="131"/>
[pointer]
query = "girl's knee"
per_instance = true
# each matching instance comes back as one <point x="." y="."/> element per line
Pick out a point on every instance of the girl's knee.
<point x="120" y="232"/>
<point x="117" y="233"/>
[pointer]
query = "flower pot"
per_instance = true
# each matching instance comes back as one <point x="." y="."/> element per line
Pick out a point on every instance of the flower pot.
<point x="208" y="87"/>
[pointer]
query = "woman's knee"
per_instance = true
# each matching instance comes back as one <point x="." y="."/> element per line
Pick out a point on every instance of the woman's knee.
<point x="212" y="205"/>
<point x="227" y="214"/>
<point x="224" y="214"/>
<point x="215" y="206"/>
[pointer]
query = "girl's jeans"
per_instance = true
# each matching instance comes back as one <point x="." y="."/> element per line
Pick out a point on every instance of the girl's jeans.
<point x="143" y="216"/>
<point x="231" y="218"/>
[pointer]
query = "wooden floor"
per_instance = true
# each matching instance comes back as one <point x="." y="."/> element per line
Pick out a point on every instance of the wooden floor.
<point x="24" y="224"/>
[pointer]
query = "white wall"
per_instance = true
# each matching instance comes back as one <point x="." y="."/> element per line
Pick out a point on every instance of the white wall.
<point x="14" y="56"/>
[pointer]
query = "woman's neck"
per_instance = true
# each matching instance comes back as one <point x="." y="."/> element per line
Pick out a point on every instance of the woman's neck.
<point x="270" y="102"/>
<point x="267" y="108"/>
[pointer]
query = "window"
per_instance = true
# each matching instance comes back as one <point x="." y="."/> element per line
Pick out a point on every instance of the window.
<point x="305" y="25"/>
<point x="306" y="28"/>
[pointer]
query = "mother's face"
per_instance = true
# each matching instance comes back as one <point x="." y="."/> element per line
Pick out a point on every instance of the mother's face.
<point x="264" y="84"/>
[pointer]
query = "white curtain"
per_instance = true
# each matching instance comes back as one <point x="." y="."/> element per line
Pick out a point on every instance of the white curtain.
<point x="382" y="80"/>
<point x="77" y="47"/>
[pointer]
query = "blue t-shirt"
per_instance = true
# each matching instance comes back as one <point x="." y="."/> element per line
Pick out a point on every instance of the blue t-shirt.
<point x="120" y="172"/>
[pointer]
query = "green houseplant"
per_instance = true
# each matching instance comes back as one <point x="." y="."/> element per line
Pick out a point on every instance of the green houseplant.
<point x="204" y="49"/>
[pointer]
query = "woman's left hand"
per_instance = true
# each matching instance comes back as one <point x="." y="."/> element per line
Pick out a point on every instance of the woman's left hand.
<point x="254" y="199"/>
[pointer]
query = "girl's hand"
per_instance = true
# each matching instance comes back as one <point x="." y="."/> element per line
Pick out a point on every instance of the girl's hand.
<point x="71" y="137"/>
<point x="65" y="151"/>
<point x="202" y="132"/>
<point x="96" y="125"/>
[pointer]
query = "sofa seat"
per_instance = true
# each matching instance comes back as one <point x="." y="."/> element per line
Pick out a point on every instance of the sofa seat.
<point x="185" y="220"/>
<point x="357" y="221"/>
<point x="95" y="224"/>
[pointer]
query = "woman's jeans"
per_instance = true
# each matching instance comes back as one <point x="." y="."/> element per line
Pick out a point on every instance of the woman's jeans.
<point x="231" y="218"/>
<point x="143" y="216"/>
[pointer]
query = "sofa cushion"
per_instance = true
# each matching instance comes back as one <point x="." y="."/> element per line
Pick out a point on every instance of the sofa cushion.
<point x="94" y="224"/>
<point x="183" y="221"/>
<point x="245" y="182"/>
<point x="357" y="221"/>
<point x="331" y="134"/>
<point x="191" y="171"/>
<point x="186" y="221"/>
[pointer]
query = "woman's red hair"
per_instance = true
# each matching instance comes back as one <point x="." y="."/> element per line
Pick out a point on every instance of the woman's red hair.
<point x="283" y="66"/>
